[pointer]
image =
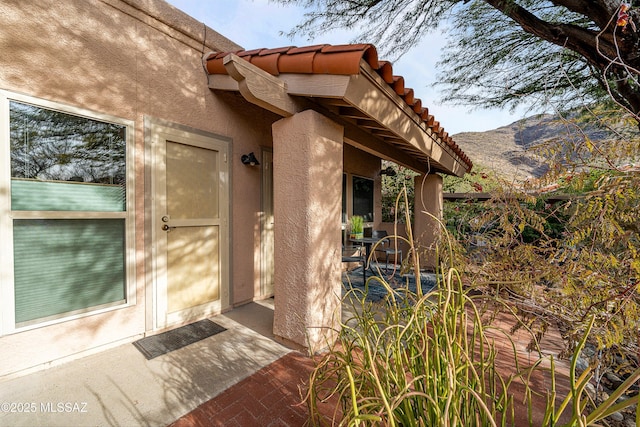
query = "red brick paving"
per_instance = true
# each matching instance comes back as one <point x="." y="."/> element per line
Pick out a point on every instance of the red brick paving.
<point x="273" y="395"/>
<point x="270" y="397"/>
<point x="540" y="380"/>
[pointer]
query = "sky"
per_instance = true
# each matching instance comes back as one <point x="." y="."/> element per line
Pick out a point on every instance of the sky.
<point x="257" y="24"/>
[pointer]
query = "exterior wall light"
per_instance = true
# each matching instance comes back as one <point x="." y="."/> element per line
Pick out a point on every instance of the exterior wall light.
<point x="388" y="171"/>
<point x="249" y="159"/>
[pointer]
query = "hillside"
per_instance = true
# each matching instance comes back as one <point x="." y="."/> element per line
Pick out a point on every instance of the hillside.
<point x="506" y="150"/>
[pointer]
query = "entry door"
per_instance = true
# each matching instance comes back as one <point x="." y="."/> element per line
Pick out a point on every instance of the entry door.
<point x="190" y="226"/>
<point x="267" y="240"/>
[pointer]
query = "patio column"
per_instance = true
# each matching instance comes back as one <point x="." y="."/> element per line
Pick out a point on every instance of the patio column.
<point x="429" y="199"/>
<point x="307" y="176"/>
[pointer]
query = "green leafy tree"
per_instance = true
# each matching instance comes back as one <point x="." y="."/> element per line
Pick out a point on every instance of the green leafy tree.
<point x="392" y="184"/>
<point x="563" y="263"/>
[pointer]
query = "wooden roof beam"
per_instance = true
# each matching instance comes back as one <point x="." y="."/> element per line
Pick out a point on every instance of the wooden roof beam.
<point x="261" y="88"/>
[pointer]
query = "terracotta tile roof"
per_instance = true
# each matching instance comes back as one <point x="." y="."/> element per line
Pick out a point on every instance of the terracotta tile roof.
<point x="335" y="59"/>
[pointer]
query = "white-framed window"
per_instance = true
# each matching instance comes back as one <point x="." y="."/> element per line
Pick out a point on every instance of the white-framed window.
<point x="66" y="216"/>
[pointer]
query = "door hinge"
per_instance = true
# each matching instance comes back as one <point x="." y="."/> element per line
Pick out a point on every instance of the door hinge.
<point x="224" y="157"/>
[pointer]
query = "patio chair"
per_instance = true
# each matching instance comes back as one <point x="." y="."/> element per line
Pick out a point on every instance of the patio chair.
<point x="349" y="255"/>
<point x="385" y="246"/>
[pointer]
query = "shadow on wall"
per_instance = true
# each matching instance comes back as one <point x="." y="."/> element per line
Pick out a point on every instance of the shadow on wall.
<point x="108" y="64"/>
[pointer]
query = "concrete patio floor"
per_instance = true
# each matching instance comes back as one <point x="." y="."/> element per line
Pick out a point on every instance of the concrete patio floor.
<point x="119" y="387"/>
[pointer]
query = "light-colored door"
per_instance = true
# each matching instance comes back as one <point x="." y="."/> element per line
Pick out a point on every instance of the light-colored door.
<point x="190" y="223"/>
<point x="267" y="242"/>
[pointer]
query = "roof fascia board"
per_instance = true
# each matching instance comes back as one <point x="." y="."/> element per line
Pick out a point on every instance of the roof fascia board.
<point x="375" y="78"/>
<point x="459" y="170"/>
<point x="388" y="109"/>
<point x="223" y="82"/>
<point x="261" y="88"/>
<point x="366" y="91"/>
<point x="364" y="141"/>
<point x="367" y="96"/>
<point x="336" y="87"/>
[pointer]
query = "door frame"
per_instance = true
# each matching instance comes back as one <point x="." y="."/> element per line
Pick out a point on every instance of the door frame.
<point x="156" y="131"/>
<point x="266" y="201"/>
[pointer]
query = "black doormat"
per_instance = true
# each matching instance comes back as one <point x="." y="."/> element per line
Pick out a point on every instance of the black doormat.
<point x="165" y="342"/>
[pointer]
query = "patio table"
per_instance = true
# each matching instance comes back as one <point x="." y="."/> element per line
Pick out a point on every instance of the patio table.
<point x="367" y="242"/>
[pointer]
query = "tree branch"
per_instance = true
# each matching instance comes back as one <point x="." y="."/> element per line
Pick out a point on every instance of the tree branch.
<point x="599" y="11"/>
<point x="577" y="39"/>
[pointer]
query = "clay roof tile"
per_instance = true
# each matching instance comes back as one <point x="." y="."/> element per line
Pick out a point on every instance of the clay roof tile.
<point x="337" y="63"/>
<point x="386" y="72"/>
<point x="304" y="49"/>
<point x="275" y="50"/>
<point x="268" y="63"/>
<point x="408" y="96"/>
<point x="301" y="62"/>
<point x="398" y="85"/>
<point x="417" y="105"/>
<point x="249" y="53"/>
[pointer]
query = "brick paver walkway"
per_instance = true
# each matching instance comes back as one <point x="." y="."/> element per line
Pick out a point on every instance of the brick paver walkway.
<point x="270" y="397"/>
<point x="273" y="395"/>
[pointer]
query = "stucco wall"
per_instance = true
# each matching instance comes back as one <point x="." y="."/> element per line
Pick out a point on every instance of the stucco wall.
<point x="307" y="175"/>
<point x="428" y="210"/>
<point x="251" y="133"/>
<point x="111" y="57"/>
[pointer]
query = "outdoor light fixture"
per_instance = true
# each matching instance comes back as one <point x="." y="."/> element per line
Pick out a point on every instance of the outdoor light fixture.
<point x="388" y="171"/>
<point x="249" y="159"/>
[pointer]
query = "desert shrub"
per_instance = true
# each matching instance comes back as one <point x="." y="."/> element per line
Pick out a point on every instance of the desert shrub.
<point x="425" y="359"/>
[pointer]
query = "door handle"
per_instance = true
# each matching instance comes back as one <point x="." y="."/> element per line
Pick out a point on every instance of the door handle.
<point x="166" y="228"/>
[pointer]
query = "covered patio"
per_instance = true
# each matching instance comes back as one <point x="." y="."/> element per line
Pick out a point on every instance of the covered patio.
<point x="332" y="99"/>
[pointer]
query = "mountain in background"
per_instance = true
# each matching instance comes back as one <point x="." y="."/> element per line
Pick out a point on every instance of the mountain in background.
<point x="507" y="149"/>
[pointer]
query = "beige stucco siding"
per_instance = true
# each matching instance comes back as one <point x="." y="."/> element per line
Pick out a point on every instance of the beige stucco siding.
<point x="307" y="175"/>
<point x="250" y="127"/>
<point x="112" y="58"/>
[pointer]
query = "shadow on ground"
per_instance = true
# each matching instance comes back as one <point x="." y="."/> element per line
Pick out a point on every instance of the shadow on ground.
<point x="377" y="273"/>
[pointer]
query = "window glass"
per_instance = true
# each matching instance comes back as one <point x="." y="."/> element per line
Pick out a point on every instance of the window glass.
<point x="62" y="162"/>
<point x="363" y="198"/>
<point x="68" y="198"/>
<point x="62" y="266"/>
<point x="344" y="198"/>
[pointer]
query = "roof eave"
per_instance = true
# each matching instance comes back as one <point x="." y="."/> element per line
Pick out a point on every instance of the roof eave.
<point x="411" y="126"/>
<point x="380" y="110"/>
<point x="368" y="93"/>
